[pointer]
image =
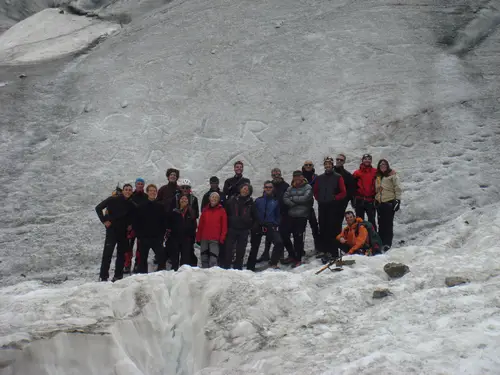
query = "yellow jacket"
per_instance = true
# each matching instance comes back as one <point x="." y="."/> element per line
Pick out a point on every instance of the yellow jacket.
<point x="387" y="188"/>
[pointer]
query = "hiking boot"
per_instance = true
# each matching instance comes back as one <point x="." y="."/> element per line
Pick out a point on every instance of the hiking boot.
<point x="386" y="249"/>
<point x="116" y="279"/>
<point x="297" y="264"/>
<point x="126" y="269"/>
<point x="264" y="258"/>
<point x="103" y="280"/>
<point x="288" y="260"/>
<point x="326" y="259"/>
<point x="274" y="267"/>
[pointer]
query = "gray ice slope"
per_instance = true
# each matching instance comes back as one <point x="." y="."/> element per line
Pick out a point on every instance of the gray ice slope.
<point x="268" y="82"/>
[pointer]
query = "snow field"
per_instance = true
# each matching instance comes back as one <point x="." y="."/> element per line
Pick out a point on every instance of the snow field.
<point x="209" y="321"/>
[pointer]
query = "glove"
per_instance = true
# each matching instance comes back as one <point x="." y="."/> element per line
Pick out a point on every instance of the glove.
<point x="198" y="243"/>
<point x="395" y="205"/>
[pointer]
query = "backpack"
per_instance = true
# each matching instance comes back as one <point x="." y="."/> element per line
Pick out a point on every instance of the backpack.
<point x="374" y="240"/>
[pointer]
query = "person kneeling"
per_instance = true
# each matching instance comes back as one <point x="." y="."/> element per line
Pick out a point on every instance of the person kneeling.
<point x="354" y="238"/>
<point x="150" y="224"/>
<point x="212" y="230"/>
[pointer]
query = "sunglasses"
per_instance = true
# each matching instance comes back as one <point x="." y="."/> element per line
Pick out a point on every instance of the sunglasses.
<point x="268" y="187"/>
<point x="342" y="160"/>
<point x="185" y="187"/>
<point x="308" y="165"/>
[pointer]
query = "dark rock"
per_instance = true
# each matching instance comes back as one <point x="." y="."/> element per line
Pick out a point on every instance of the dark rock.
<point x="396" y="270"/>
<point x="466" y="222"/>
<point x="23" y="275"/>
<point x="22" y="75"/>
<point x="455" y="280"/>
<point x="381" y="293"/>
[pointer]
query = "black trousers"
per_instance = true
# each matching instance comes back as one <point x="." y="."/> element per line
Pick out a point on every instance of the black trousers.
<point x="237" y="239"/>
<point x="114" y="237"/>
<point x="362" y="207"/>
<point x="297" y="229"/>
<point x="284" y="230"/>
<point x="313" y="223"/>
<point x="328" y="214"/>
<point x="156" y="244"/>
<point x="385" y="216"/>
<point x="179" y="247"/>
<point x="272" y="233"/>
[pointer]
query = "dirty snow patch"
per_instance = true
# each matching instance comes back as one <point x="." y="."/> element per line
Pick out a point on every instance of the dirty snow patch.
<point x="48" y="35"/>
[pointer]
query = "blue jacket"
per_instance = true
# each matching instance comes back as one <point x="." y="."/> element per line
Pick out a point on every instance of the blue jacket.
<point x="268" y="210"/>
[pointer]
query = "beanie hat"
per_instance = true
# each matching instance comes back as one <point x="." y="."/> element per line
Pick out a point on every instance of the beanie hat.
<point x="172" y="170"/>
<point x="139" y="179"/>
<point x="297" y="173"/>
<point x="214" y="180"/>
<point x="215" y="194"/>
<point x="328" y="159"/>
<point x="366" y="156"/>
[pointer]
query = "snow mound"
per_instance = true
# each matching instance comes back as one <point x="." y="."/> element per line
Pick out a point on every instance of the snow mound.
<point x="215" y="322"/>
<point x="49" y="35"/>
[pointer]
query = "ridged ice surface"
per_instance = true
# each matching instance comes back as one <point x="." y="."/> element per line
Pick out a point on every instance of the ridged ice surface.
<point x="200" y="84"/>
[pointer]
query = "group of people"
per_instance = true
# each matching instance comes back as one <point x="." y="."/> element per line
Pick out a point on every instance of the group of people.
<point x="168" y="220"/>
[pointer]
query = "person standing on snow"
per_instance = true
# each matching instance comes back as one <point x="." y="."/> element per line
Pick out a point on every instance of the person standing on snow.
<point x="185" y="190"/>
<point x="212" y="230"/>
<point x="240" y="218"/>
<point x="118" y="219"/>
<point x="268" y="216"/>
<point x="150" y="223"/>
<point x="354" y="237"/>
<point x="350" y="186"/>
<point x="387" y="200"/>
<point x="214" y="187"/>
<point x="310" y="174"/>
<point x="232" y="185"/>
<point x="167" y="192"/>
<point x="138" y="197"/>
<point x="365" y="190"/>
<point x="329" y="191"/>
<point x="299" y="199"/>
<point x="182" y="228"/>
<point x="279" y="188"/>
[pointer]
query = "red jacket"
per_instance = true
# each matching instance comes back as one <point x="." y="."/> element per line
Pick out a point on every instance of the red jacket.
<point x="365" y="179"/>
<point x="213" y="224"/>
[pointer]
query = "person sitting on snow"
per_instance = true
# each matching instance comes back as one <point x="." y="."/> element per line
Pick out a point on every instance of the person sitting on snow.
<point x="354" y="237"/>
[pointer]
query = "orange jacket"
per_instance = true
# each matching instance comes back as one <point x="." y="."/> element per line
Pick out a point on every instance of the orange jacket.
<point x="349" y="233"/>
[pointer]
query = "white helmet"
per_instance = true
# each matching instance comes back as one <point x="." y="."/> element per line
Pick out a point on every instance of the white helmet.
<point x="184" y="182"/>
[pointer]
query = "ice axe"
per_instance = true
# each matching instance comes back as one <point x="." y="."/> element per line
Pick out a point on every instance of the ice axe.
<point x="337" y="262"/>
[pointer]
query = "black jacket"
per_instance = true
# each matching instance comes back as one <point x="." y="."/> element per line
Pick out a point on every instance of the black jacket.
<point x="206" y="197"/>
<point x="182" y="224"/>
<point x="139" y="197"/>
<point x="232" y="185"/>
<point x="150" y="220"/>
<point x="279" y="190"/>
<point x="349" y="181"/>
<point x="166" y="194"/>
<point x="327" y="186"/>
<point x="120" y="211"/>
<point x="241" y="212"/>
